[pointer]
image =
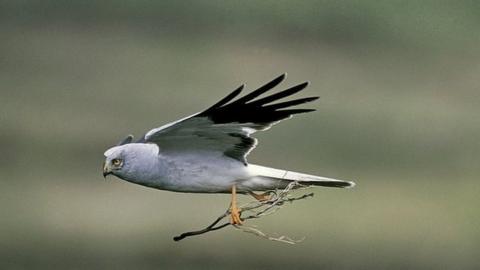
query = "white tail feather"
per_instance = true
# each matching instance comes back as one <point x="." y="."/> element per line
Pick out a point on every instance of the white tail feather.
<point x="272" y="173"/>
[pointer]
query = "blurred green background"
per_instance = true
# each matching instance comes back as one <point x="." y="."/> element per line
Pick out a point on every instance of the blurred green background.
<point x="399" y="113"/>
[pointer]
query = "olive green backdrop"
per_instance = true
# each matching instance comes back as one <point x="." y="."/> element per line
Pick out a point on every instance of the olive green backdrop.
<point x="399" y="114"/>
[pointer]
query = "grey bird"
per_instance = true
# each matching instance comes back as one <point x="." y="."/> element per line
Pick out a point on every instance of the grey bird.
<point x="206" y="152"/>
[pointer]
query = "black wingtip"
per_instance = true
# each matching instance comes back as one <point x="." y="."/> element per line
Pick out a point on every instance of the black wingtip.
<point x="285" y="93"/>
<point x="264" y="88"/>
<point x="310" y="99"/>
<point x="250" y="109"/>
<point x="303" y="85"/>
<point x="127" y="140"/>
<point x="278" y="79"/>
<point x="291" y="103"/>
<point x="225" y="100"/>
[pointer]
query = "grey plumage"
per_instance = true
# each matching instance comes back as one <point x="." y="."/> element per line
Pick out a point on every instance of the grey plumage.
<point x="207" y="152"/>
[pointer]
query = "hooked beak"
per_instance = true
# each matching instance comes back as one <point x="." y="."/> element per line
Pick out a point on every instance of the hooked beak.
<point x="106" y="170"/>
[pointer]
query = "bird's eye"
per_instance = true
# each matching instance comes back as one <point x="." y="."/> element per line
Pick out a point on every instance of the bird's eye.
<point x="117" y="162"/>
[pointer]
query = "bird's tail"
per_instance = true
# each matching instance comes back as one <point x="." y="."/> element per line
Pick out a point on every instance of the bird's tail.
<point x="288" y="176"/>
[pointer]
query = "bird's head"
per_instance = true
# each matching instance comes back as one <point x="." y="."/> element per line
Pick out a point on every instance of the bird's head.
<point x="126" y="161"/>
<point x="114" y="161"/>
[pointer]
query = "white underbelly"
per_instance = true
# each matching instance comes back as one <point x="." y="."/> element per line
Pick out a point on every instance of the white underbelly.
<point x="211" y="173"/>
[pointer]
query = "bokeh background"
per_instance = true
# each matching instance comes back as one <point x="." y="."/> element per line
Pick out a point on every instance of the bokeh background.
<point x="399" y="113"/>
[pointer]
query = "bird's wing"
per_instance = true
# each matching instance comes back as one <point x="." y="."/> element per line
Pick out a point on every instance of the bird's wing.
<point x="227" y="125"/>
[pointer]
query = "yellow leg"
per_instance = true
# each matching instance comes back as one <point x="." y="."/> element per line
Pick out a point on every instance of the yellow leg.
<point x="234" y="211"/>
<point x="261" y="197"/>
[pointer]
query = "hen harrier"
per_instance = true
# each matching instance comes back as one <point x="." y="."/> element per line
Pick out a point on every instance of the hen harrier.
<point x="206" y="152"/>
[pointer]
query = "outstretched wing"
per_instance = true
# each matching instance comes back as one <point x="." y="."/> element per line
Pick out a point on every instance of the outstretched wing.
<point x="227" y="125"/>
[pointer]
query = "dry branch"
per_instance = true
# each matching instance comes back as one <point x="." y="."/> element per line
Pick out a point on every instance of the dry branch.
<point x="257" y="209"/>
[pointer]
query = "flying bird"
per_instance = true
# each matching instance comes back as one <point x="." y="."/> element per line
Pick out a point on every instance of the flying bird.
<point x="207" y="151"/>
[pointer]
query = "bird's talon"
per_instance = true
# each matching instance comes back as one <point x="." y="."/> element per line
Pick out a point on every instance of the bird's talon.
<point x="234" y="211"/>
<point x="235" y="217"/>
<point x="262" y="197"/>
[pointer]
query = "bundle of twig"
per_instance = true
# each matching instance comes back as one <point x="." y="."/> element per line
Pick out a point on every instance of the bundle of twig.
<point x="257" y="209"/>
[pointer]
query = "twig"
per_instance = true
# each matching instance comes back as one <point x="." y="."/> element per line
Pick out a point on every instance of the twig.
<point x="258" y="209"/>
<point x="257" y="232"/>
<point x="210" y="228"/>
